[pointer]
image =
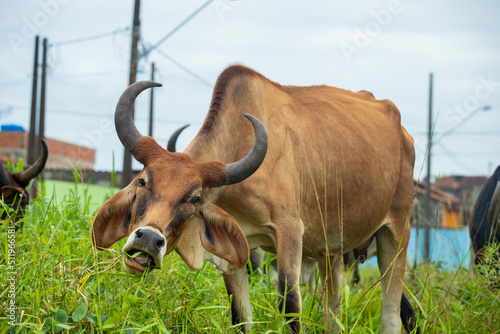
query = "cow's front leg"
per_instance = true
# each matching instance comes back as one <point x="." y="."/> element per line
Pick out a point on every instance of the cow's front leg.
<point x="289" y="257"/>
<point x="237" y="289"/>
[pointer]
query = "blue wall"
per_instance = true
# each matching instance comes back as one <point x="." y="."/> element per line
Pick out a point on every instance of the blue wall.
<point x="450" y="248"/>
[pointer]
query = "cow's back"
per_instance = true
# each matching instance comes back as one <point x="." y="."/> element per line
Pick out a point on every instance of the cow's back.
<point x="334" y="156"/>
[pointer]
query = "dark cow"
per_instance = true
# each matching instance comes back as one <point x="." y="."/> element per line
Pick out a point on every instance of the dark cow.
<point x="484" y="227"/>
<point x="13" y="185"/>
<point x="338" y="173"/>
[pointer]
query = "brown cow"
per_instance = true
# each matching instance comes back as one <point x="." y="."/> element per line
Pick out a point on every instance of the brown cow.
<point x="338" y="172"/>
<point x="13" y="186"/>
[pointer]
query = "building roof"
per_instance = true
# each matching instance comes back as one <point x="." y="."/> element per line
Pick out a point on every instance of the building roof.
<point x="456" y="182"/>
<point x="436" y="193"/>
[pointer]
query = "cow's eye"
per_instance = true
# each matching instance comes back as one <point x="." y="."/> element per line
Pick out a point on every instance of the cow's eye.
<point x="142" y="183"/>
<point x="195" y="200"/>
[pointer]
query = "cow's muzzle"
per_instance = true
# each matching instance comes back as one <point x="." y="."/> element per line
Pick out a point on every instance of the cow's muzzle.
<point x="144" y="250"/>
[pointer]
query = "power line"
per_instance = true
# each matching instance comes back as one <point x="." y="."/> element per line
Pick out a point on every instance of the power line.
<point x="14" y="85"/>
<point x="455" y="158"/>
<point x="90" y="38"/>
<point x="22" y="82"/>
<point x="104" y="115"/>
<point x="6" y="111"/>
<point x="85" y="74"/>
<point x="180" y="25"/>
<point x="185" y="68"/>
<point x="462" y="122"/>
<point x="466" y="133"/>
<point x="16" y="81"/>
<point x="67" y="112"/>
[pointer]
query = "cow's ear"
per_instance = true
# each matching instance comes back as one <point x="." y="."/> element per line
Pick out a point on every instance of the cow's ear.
<point x="112" y="221"/>
<point x="221" y="235"/>
<point x="10" y="193"/>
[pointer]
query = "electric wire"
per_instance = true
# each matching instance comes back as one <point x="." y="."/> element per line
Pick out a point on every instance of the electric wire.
<point x="185" y="68"/>
<point x="173" y="31"/>
<point x="90" y="38"/>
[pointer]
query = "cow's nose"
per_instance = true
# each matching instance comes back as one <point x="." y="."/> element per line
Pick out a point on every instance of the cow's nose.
<point x="151" y="237"/>
<point x="138" y="234"/>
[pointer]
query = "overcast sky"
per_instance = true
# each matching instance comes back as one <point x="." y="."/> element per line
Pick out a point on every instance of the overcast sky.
<point x="386" y="47"/>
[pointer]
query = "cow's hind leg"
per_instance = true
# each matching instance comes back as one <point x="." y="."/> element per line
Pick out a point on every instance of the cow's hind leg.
<point x="237" y="288"/>
<point x="392" y="241"/>
<point x="330" y="271"/>
<point x="289" y="258"/>
<point x="408" y="316"/>
<point x="391" y="256"/>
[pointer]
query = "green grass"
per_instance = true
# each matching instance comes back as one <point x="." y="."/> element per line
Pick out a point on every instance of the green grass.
<point x="89" y="196"/>
<point x="64" y="286"/>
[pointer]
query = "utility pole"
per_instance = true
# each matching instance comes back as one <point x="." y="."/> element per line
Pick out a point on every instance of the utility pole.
<point x="428" y="213"/>
<point x="41" y="125"/>
<point x="31" y="138"/>
<point x="127" y="157"/>
<point x="151" y="92"/>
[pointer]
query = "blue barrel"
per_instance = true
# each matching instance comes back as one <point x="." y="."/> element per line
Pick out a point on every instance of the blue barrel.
<point x="11" y="128"/>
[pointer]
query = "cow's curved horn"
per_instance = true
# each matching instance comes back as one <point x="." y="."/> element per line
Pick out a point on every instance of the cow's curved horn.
<point x="240" y="170"/>
<point x="124" y="123"/>
<point x="173" y="139"/>
<point x="494" y="205"/>
<point x="4" y="177"/>
<point x="33" y="171"/>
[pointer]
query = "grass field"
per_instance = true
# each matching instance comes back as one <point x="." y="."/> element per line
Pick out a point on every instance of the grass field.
<point x="62" y="285"/>
<point x="91" y="195"/>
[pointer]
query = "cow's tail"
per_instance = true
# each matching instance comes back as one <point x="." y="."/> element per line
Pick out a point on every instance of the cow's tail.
<point x="408" y="316"/>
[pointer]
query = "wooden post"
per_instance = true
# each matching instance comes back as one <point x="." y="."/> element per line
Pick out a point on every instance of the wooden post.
<point x="428" y="211"/>
<point x="151" y="92"/>
<point x="41" y="122"/>
<point x="127" y="157"/>
<point x="32" y="133"/>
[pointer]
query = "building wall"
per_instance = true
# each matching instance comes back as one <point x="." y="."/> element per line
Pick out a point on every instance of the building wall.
<point x="62" y="155"/>
<point x="451" y="219"/>
<point x="450" y="248"/>
<point x="466" y="189"/>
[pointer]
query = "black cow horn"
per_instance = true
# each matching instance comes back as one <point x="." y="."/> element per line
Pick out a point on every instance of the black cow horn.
<point x="4" y="177"/>
<point x="240" y="170"/>
<point x="173" y="139"/>
<point x="32" y="172"/>
<point x="124" y="123"/>
<point x="494" y="205"/>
